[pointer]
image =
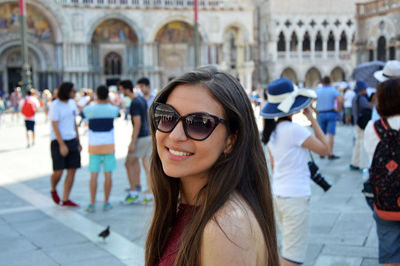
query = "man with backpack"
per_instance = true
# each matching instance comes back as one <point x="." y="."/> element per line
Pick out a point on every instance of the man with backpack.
<point x="29" y="106"/>
<point x="362" y="111"/>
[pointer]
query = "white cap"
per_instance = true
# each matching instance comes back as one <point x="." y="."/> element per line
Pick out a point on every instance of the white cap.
<point x="391" y="70"/>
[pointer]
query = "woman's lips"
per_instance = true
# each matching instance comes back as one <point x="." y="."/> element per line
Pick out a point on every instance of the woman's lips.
<point x="177" y="155"/>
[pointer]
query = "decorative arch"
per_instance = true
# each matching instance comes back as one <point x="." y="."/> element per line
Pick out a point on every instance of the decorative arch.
<point x="343" y="41"/>
<point x="38" y="25"/>
<point x="114" y="31"/>
<point x="312" y="78"/>
<point x="318" y="42"/>
<point x="290" y="74"/>
<point x="113" y="64"/>
<point x="98" y="21"/>
<point x="176" y="32"/>
<point x="40" y="54"/>
<point x="337" y="74"/>
<point x="281" y="42"/>
<point x="381" y="48"/>
<point x="306" y="42"/>
<point x="293" y="42"/>
<point x="331" y="41"/>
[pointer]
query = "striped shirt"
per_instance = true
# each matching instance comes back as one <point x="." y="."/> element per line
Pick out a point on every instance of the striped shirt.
<point x="101" y="127"/>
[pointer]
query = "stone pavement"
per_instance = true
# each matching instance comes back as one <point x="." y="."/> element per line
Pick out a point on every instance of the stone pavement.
<point x="33" y="231"/>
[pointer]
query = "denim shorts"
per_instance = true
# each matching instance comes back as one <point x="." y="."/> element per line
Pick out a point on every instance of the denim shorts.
<point x="108" y="160"/>
<point x="388" y="239"/>
<point x="327" y="122"/>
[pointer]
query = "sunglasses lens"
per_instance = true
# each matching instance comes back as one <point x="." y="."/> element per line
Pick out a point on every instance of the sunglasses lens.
<point x="165" y="118"/>
<point x="199" y="126"/>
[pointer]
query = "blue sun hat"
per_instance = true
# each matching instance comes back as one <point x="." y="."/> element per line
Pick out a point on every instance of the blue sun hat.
<point x="284" y="99"/>
<point x="360" y="86"/>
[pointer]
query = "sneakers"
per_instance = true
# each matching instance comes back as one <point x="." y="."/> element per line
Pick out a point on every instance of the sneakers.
<point x="333" y="157"/>
<point x="107" y="207"/>
<point x="91" y="208"/>
<point x="131" y="199"/>
<point x="55" y="197"/>
<point x="354" y="168"/>
<point x="148" y="199"/>
<point x="69" y="203"/>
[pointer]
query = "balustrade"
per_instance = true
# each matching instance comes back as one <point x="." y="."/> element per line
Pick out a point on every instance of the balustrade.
<point x="172" y="4"/>
<point x="377" y="6"/>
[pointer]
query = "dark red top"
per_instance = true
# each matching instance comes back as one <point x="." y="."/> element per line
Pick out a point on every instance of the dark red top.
<point x="185" y="213"/>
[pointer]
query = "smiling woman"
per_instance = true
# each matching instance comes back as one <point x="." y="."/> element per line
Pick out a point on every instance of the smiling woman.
<point x="213" y="203"/>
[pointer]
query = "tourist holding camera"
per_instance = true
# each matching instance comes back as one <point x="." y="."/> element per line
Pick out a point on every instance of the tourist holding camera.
<point x="288" y="147"/>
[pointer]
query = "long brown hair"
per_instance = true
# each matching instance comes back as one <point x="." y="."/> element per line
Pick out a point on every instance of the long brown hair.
<point x="243" y="170"/>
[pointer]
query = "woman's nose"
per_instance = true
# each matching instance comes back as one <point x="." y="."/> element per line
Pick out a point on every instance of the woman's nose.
<point x="178" y="133"/>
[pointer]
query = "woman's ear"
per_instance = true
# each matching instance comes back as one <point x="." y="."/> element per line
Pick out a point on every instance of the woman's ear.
<point x="229" y="143"/>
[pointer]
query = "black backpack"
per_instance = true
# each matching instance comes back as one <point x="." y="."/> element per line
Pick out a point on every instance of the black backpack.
<point x="384" y="173"/>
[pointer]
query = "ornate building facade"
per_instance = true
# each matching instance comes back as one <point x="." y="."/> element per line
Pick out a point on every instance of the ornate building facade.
<point x="378" y="35"/>
<point x="92" y="42"/>
<point x="305" y="40"/>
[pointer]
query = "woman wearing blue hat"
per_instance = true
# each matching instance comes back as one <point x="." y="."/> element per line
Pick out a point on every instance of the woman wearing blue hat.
<point x="288" y="145"/>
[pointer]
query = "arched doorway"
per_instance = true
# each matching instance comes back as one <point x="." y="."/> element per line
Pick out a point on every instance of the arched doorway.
<point x="313" y="77"/>
<point x="337" y="74"/>
<point x="112" y="40"/>
<point x="175" y="49"/>
<point x="381" y="49"/>
<point x="290" y="74"/>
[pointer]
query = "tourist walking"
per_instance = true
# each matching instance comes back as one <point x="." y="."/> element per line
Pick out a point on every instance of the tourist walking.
<point x="65" y="145"/>
<point x="15" y="99"/>
<point x="101" y="145"/>
<point x="139" y="146"/>
<point x="144" y="85"/>
<point x="327" y="97"/>
<point x="212" y="207"/>
<point x="362" y="112"/>
<point x="288" y="145"/>
<point x="28" y="107"/>
<point x="382" y="143"/>
<point x="46" y="100"/>
<point x="348" y="103"/>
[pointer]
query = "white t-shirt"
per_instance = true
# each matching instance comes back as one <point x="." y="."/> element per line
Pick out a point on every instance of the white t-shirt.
<point x="35" y="101"/>
<point x="291" y="176"/>
<point x="371" y="139"/>
<point x="65" y="114"/>
<point x="348" y="98"/>
<point x="83" y="101"/>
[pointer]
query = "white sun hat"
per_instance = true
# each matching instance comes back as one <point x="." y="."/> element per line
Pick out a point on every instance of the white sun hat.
<point x="390" y="70"/>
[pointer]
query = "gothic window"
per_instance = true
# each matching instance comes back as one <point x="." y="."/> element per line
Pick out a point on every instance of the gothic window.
<point x="293" y="42"/>
<point x="306" y="42"/>
<point x="331" y="42"/>
<point x="281" y="43"/>
<point x="381" y="49"/>
<point x="343" y="42"/>
<point x="392" y="53"/>
<point x="233" y="50"/>
<point x="318" y="42"/>
<point x="112" y="64"/>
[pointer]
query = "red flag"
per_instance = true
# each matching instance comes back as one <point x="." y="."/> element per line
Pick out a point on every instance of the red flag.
<point x="21" y="7"/>
<point x="196" y="11"/>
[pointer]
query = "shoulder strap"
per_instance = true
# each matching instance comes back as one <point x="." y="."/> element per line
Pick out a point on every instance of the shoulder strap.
<point x="379" y="128"/>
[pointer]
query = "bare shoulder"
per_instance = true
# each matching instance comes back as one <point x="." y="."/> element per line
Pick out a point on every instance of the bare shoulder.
<point x="233" y="236"/>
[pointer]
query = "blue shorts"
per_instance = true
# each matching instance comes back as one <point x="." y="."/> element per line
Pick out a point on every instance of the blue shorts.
<point x="30" y="125"/>
<point x="388" y="239"/>
<point x="108" y="160"/>
<point x="327" y="122"/>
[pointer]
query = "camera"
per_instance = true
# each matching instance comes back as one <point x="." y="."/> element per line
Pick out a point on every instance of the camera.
<point x="317" y="177"/>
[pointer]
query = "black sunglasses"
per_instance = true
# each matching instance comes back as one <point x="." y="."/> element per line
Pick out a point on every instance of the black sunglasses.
<point x="197" y="126"/>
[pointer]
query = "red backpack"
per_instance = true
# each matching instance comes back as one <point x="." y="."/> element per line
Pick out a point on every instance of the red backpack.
<point x="29" y="108"/>
<point x="384" y="174"/>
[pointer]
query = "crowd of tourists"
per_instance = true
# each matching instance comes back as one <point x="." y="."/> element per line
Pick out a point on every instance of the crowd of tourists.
<point x="217" y="187"/>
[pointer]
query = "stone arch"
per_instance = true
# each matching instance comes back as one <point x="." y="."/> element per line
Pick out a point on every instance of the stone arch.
<point x="319" y="42"/>
<point x="294" y="41"/>
<point x="331" y="41"/>
<point x="42" y="24"/>
<point x="381" y="48"/>
<point x="153" y="33"/>
<point x="312" y="78"/>
<point x="114" y="31"/>
<point x="281" y="44"/>
<point x="289" y="73"/>
<point x="343" y="41"/>
<point x="41" y="55"/>
<point x="337" y="74"/>
<point x="96" y="22"/>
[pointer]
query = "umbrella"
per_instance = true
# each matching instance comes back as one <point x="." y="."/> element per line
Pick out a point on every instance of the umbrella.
<point x="365" y="71"/>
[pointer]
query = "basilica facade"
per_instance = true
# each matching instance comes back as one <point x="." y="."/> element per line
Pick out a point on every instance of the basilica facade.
<point x="92" y="42"/>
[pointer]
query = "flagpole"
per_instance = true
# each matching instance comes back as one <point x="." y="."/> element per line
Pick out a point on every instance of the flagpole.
<point x="26" y="72"/>
<point x="196" y="33"/>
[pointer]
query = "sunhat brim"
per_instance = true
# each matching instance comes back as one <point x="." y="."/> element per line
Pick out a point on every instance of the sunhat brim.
<point x="379" y="76"/>
<point x="271" y="110"/>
